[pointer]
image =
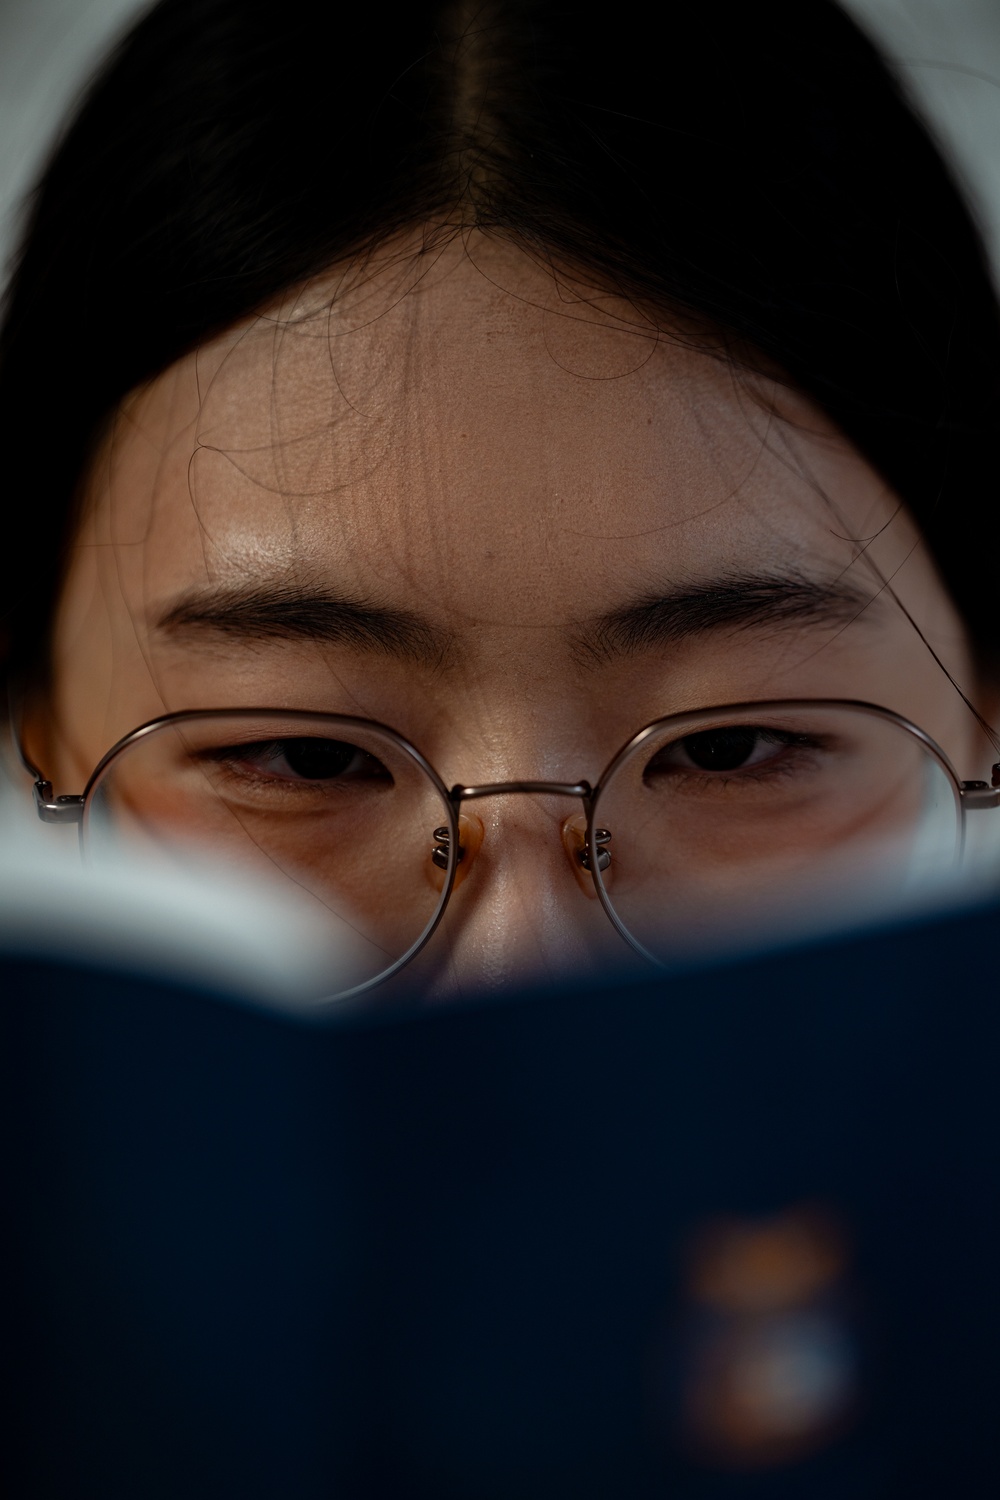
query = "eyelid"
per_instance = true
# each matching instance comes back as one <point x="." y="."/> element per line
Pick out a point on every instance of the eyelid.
<point x="667" y="760"/>
<point x="769" y="733"/>
<point x="262" y="758"/>
<point x="272" y="742"/>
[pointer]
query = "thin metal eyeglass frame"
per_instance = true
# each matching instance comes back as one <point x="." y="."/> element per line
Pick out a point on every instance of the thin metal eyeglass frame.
<point x="970" y="796"/>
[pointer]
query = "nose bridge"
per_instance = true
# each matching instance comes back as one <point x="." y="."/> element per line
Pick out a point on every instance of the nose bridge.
<point x="527" y="829"/>
<point x="515" y="837"/>
<point x="517" y="908"/>
<point x="518" y="820"/>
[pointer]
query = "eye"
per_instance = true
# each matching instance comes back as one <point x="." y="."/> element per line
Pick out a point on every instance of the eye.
<point x="304" y="759"/>
<point x="731" y="747"/>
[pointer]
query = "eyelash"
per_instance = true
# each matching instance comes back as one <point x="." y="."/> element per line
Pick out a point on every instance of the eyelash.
<point x="236" y="761"/>
<point x="704" y="782"/>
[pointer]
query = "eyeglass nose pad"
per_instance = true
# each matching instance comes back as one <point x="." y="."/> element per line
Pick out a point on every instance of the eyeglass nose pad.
<point x="470" y="838"/>
<point x="574" y="837"/>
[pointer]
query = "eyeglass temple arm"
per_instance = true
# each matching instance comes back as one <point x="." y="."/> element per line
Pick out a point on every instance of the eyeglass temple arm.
<point x="56" y="809"/>
<point x="50" y="809"/>
<point x="977" y="796"/>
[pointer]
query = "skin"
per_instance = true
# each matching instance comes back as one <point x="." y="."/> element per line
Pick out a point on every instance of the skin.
<point x="506" y="460"/>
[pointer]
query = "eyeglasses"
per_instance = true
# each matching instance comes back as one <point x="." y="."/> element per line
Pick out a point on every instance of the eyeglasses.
<point x="699" y="818"/>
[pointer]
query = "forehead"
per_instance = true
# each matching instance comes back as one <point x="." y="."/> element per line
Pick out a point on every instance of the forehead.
<point x="466" y="424"/>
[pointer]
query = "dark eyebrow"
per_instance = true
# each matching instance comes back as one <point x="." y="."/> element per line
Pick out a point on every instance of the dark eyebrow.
<point x="738" y="601"/>
<point x="289" y="612"/>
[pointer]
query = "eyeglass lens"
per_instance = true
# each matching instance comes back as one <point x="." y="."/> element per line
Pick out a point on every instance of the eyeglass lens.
<point x="340" y="809"/>
<point x="737" y="819"/>
<point x="715" y="819"/>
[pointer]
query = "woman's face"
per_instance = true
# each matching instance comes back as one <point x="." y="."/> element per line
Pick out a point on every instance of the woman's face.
<point x="506" y="520"/>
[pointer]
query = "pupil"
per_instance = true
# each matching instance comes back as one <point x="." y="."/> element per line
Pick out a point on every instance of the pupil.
<point x="317" y="760"/>
<point x="722" y="749"/>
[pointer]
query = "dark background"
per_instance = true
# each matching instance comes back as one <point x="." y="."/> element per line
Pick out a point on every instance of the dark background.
<point x="948" y="51"/>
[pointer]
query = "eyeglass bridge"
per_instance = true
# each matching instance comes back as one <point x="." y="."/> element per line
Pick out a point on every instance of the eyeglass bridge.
<point x="442" y="844"/>
<point x="459" y="794"/>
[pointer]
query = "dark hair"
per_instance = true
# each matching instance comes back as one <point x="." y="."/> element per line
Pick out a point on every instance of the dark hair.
<point x="753" y="168"/>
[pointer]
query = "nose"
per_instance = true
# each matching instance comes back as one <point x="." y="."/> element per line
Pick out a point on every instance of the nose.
<point x="524" y="907"/>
